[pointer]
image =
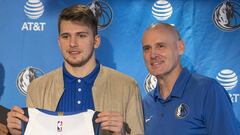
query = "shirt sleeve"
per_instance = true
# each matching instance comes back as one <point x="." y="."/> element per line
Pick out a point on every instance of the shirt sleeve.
<point x="218" y="112"/>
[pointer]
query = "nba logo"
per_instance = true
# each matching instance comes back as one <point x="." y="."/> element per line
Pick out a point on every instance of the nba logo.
<point x="59" y="126"/>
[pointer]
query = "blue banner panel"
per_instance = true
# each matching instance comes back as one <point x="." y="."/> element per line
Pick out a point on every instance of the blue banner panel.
<point x="209" y="28"/>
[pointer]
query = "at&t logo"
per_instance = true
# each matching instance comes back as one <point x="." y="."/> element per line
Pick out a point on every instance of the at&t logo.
<point x="33" y="9"/>
<point x="162" y="10"/>
<point x="228" y="79"/>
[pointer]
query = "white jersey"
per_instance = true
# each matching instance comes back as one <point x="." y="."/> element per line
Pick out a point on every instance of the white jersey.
<point x="41" y="123"/>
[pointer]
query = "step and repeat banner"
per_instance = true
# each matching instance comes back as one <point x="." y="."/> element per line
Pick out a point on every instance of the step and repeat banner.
<point x="29" y="48"/>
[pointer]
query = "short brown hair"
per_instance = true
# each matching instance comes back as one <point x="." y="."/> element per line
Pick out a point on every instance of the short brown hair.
<point x="79" y="14"/>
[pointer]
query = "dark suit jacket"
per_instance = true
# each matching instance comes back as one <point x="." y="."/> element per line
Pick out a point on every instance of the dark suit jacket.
<point x="3" y="114"/>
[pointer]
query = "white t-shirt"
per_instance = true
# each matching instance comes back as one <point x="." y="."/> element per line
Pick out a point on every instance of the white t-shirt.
<point x="41" y="123"/>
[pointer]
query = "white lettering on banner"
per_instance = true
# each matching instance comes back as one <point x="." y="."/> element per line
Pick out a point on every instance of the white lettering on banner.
<point x="234" y="97"/>
<point x="33" y="26"/>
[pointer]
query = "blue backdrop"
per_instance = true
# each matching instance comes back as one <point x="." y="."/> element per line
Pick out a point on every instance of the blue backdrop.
<point x="29" y="48"/>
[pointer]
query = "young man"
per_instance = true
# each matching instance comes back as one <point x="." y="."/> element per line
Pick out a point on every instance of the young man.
<point x="183" y="103"/>
<point x="82" y="83"/>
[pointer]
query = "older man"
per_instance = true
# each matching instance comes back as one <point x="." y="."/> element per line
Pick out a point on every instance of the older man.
<point x="183" y="103"/>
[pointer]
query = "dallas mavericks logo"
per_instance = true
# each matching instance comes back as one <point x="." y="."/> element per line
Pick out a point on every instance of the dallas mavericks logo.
<point x="26" y="76"/>
<point x="226" y="16"/>
<point x="150" y="83"/>
<point x="34" y="9"/>
<point x="103" y="12"/>
<point x="182" y="111"/>
<point x="227" y="78"/>
<point x="162" y="10"/>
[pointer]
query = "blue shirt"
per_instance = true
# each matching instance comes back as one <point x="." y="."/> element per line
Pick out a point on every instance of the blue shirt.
<point x="197" y="105"/>
<point x="77" y="95"/>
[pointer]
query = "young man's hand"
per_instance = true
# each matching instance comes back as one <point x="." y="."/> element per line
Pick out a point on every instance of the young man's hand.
<point x="111" y="121"/>
<point x="14" y="120"/>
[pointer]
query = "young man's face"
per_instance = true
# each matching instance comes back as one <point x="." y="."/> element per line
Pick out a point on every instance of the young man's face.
<point x="77" y="43"/>
<point x="161" y="51"/>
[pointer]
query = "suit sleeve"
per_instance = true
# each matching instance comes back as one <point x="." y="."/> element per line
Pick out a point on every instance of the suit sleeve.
<point x="134" y="113"/>
<point x="29" y="101"/>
